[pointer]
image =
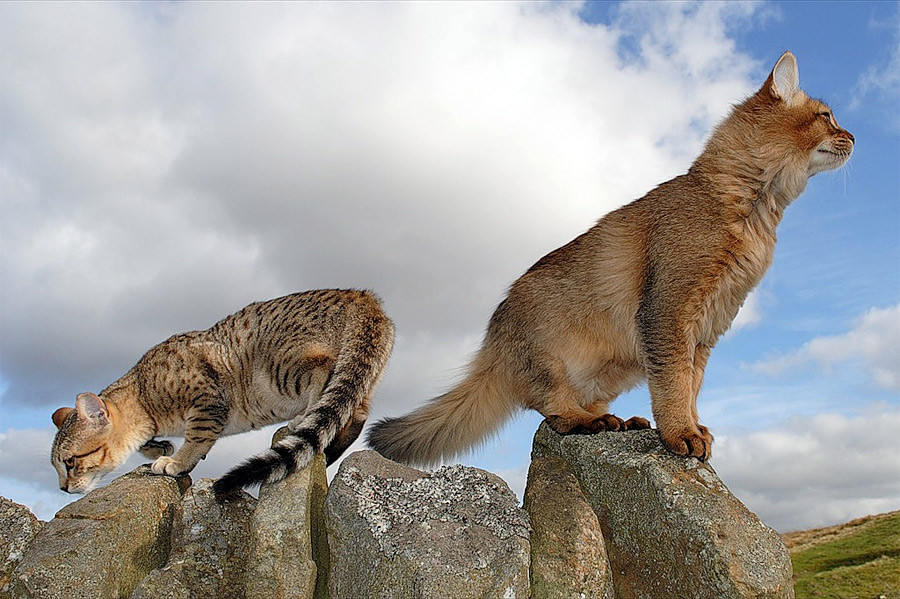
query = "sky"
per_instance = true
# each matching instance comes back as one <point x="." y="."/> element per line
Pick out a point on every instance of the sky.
<point x="164" y="164"/>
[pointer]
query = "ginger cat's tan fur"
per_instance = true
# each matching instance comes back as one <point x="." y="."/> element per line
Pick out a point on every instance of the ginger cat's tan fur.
<point x="643" y="295"/>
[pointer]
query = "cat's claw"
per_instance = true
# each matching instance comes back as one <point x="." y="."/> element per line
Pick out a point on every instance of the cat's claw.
<point x="695" y="443"/>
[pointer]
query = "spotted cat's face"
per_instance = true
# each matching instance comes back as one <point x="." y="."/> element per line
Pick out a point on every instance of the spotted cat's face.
<point x="81" y="452"/>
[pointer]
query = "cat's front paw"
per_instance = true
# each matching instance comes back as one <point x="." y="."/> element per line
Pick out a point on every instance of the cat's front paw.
<point x="696" y="442"/>
<point x="169" y="466"/>
<point x="153" y="449"/>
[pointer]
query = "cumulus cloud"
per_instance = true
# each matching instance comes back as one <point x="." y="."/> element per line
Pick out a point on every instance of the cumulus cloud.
<point x="878" y="87"/>
<point x="164" y="165"/>
<point x="750" y="313"/>
<point x="873" y="345"/>
<point x="815" y="470"/>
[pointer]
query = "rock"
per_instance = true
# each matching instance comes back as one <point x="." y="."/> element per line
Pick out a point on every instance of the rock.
<point x="672" y="528"/>
<point x="288" y="551"/>
<point x="209" y="548"/>
<point x="397" y="532"/>
<point x="103" y="544"/>
<point x="18" y="526"/>
<point x="568" y="555"/>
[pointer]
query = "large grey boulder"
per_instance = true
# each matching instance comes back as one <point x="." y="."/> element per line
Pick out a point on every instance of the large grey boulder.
<point x="103" y="544"/>
<point x="209" y="548"/>
<point x="288" y="552"/>
<point x="18" y="526"/>
<point x="671" y="527"/>
<point x="568" y="555"/>
<point x="401" y="533"/>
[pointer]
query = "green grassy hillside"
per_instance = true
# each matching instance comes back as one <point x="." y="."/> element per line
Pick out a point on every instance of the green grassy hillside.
<point x="856" y="560"/>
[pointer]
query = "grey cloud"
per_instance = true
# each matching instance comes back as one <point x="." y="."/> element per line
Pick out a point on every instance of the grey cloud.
<point x="816" y="471"/>
<point x="165" y="165"/>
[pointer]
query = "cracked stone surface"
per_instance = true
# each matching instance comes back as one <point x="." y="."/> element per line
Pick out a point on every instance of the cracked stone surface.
<point x="103" y="544"/>
<point x="671" y="527"/>
<point x="209" y="548"/>
<point x="457" y="532"/>
<point x="18" y="526"/>
<point x="568" y="554"/>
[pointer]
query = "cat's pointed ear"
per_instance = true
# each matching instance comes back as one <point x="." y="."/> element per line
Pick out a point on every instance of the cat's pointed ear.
<point x="784" y="82"/>
<point x="91" y="408"/>
<point x="60" y="415"/>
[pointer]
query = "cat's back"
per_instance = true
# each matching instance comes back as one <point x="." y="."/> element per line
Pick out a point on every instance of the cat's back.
<point x="319" y="314"/>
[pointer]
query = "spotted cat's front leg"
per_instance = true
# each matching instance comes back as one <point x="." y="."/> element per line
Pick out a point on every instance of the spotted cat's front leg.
<point x="184" y="460"/>
<point x="203" y="426"/>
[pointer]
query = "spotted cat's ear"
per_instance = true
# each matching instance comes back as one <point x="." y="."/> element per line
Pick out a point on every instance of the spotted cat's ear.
<point x="60" y="415"/>
<point x="92" y="409"/>
<point x="784" y="82"/>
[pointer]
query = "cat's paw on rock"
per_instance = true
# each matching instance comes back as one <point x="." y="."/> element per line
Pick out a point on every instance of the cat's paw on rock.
<point x="167" y="465"/>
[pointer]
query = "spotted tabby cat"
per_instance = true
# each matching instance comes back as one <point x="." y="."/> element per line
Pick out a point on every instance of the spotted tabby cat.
<point x="310" y="358"/>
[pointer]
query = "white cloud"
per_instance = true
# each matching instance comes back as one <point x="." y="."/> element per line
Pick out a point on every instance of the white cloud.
<point x="750" y="313"/>
<point x="164" y="165"/>
<point x="873" y="344"/>
<point x="815" y="471"/>
<point x="878" y="87"/>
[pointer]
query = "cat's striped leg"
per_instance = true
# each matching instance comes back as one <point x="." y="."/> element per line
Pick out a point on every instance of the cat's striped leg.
<point x="203" y="426"/>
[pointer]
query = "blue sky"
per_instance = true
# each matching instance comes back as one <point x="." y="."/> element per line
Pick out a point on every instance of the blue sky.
<point x="162" y="165"/>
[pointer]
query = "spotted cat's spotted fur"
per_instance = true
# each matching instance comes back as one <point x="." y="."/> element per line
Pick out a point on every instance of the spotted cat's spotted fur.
<point x="310" y="358"/>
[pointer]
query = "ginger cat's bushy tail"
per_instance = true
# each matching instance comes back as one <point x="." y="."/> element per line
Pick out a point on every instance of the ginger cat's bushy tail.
<point x="449" y="424"/>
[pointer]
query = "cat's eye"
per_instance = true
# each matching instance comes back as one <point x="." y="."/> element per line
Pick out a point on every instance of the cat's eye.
<point x="70" y="462"/>
<point x="826" y="116"/>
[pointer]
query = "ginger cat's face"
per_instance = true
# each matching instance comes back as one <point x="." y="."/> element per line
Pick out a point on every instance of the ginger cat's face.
<point x="832" y="144"/>
<point x="81" y="452"/>
<point x="798" y="133"/>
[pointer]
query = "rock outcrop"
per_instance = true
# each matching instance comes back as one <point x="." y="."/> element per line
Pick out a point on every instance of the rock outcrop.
<point x="103" y="544"/>
<point x="288" y="552"/>
<point x="208" y="548"/>
<point x="671" y="527"/>
<point x="398" y="532"/>
<point x="568" y="554"/>
<point x="18" y="526"/>
<point x="610" y="515"/>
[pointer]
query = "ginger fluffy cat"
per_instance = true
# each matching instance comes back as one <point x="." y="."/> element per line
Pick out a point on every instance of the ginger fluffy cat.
<point x="643" y="295"/>
<point x="310" y="358"/>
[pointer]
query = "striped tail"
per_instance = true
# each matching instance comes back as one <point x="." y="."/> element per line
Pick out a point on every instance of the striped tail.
<point x="357" y="370"/>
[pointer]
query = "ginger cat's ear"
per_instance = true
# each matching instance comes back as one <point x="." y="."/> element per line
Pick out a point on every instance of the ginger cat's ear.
<point x="784" y="82"/>
<point x="60" y="415"/>
<point x="91" y="408"/>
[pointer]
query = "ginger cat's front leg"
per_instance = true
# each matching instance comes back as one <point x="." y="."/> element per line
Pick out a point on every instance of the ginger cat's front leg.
<point x="674" y="375"/>
<point x="672" y="400"/>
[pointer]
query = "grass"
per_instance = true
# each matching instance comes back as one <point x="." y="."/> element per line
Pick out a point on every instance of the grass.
<point x="857" y="560"/>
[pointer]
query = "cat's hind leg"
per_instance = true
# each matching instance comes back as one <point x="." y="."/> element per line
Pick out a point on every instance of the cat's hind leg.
<point x="347" y="435"/>
<point x="554" y="396"/>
